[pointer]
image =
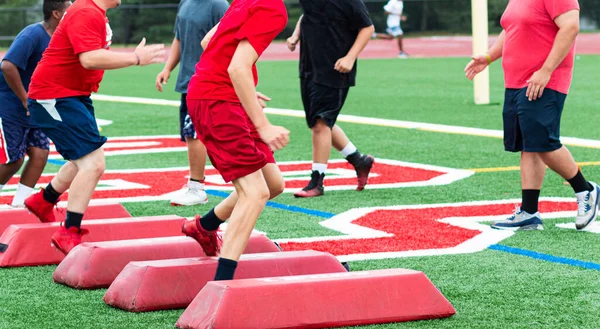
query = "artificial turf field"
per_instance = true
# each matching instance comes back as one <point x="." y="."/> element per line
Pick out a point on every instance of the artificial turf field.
<point x="493" y="288"/>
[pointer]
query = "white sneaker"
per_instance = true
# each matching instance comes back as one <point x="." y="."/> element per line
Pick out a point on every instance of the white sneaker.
<point x="194" y="195"/>
<point x="587" y="207"/>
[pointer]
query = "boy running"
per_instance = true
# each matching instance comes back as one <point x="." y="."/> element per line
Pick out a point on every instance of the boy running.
<point x="332" y="35"/>
<point x="59" y="101"/>
<point x="228" y="115"/>
<point x="18" y="134"/>
<point x="194" y="20"/>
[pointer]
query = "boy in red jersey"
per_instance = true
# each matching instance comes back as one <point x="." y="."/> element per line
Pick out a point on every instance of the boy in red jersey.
<point x="59" y="102"/>
<point x="228" y="115"/>
<point x="537" y="47"/>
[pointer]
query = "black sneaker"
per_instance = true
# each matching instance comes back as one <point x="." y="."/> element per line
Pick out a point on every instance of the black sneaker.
<point x="314" y="187"/>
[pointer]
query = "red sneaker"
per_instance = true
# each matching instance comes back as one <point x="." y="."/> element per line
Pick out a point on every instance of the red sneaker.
<point x="314" y="188"/>
<point x="66" y="239"/>
<point x="210" y="241"/>
<point x="363" y="168"/>
<point x="41" y="208"/>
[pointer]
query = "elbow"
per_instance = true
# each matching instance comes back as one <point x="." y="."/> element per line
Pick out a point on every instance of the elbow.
<point x="575" y="29"/>
<point x="5" y="67"/>
<point x="204" y="42"/>
<point x="87" y="62"/>
<point x="235" y="71"/>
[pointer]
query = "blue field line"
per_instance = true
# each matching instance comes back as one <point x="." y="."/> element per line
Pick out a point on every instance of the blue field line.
<point x="546" y="257"/>
<point x="281" y="206"/>
<point x="57" y="162"/>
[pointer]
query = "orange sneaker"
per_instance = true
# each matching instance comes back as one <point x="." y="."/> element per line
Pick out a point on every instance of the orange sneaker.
<point x="210" y="241"/>
<point x="41" y="208"/>
<point x="66" y="239"/>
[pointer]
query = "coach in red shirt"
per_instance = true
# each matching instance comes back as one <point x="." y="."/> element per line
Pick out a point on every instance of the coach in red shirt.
<point x="59" y="101"/>
<point x="537" y="47"/>
<point x="228" y="115"/>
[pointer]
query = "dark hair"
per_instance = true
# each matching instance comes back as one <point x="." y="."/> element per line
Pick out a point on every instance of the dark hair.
<point x="52" y="5"/>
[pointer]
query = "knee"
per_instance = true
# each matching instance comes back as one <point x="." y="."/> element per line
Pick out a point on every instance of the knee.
<point x="38" y="155"/>
<point x="95" y="168"/>
<point x="320" y="127"/>
<point x="276" y="189"/>
<point x="261" y="193"/>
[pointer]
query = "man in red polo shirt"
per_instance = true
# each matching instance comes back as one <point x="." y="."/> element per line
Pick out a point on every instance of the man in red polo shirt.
<point x="59" y="102"/>
<point x="228" y="115"/>
<point x="538" y="46"/>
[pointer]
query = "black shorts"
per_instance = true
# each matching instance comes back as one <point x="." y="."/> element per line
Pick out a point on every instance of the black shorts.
<point x="321" y="102"/>
<point x="532" y="126"/>
<point x="186" y="127"/>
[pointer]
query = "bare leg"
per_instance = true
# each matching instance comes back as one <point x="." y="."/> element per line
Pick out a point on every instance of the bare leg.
<point x="533" y="171"/>
<point x="7" y="171"/>
<point x="64" y="178"/>
<point x="35" y="166"/>
<point x="561" y="161"/>
<point x="339" y="138"/>
<point x="400" y="43"/>
<point x="196" y="158"/>
<point x="90" y="169"/>
<point x="321" y="137"/>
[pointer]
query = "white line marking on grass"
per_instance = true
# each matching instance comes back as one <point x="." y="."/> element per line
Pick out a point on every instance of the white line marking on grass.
<point x="432" y="127"/>
<point x="593" y="228"/>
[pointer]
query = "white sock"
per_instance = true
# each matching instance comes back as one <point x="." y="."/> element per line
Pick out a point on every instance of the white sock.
<point x="349" y="149"/>
<point x="320" y="167"/>
<point x="1" y="187"/>
<point x="195" y="185"/>
<point x="23" y="192"/>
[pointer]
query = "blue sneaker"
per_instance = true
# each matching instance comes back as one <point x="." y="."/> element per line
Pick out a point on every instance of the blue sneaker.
<point x="587" y="207"/>
<point x="520" y="221"/>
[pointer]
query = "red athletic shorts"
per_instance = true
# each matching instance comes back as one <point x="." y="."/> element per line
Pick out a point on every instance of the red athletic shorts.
<point x="232" y="142"/>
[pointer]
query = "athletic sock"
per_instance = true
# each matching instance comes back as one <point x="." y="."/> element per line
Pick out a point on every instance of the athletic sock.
<point x="579" y="184"/>
<point x="354" y="158"/>
<point x="73" y="219"/>
<point x="529" y="203"/>
<point x="320" y="167"/>
<point x="348" y="149"/>
<point x="225" y="269"/>
<point x="50" y="194"/>
<point x="23" y="192"/>
<point x="196" y="184"/>
<point x="210" y="221"/>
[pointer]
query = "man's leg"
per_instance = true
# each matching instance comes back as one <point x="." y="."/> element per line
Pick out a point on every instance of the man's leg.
<point x="533" y="171"/>
<point x="31" y="174"/>
<point x="12" y="151"/>
<point x="362" y="163"/>
<point x="7" y="171"/>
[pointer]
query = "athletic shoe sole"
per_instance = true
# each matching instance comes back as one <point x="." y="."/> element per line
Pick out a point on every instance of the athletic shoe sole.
<point x="531" y="227"/>
<point x="174" y="204"/>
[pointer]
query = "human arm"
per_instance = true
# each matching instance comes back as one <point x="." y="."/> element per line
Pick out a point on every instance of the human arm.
<point x="13" y="79"/>
<point x="346" y="63"/>
<point x="103" y="59"/>
<point x="568" y="28"/>
<point x="478" y="63"/>
<point x="163" y="77"/>
<point x="240" y="73"/>
<point x="292" y="41"/>
<point x="208" y="36"/>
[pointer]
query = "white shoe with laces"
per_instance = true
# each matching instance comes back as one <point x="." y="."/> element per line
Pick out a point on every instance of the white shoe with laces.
<point x="587" y="207"/>
<point x="193" y="194"/>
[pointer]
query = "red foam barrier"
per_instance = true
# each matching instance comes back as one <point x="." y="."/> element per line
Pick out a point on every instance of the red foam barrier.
<point x="97" y="264"/>
<point x="317" y="301"/>
<point x="22" y="216"/>
<point x="29" y="244"/>
<point x="168" y="284"/>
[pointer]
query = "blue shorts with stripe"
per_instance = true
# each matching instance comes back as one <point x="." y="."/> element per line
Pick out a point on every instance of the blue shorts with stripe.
<point x="16" y="139"/>
<point x="70" y="123"/>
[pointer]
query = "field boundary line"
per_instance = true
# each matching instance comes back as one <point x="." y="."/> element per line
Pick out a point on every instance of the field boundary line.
<point x="430" y="127"/>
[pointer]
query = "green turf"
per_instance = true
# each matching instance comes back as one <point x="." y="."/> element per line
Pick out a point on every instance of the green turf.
<point x="489" y="289"/>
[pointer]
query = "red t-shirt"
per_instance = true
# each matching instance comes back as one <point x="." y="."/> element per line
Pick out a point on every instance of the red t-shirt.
<point x="258" y="21"/>
<point x="60" y="74"/>
<point x="530" y="33"/>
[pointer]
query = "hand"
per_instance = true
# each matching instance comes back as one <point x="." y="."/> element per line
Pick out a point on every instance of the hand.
<point x="25" y="106"/>
<point x="537" y="83"/>
<point x="292" y="42"/>
<point x="275" y="136"/>
<point x="403" y="18"/>
<point x="150" y="54"/>
<point x="161" y="79"/>
<point x="475" y="66"/>
<point x="344" y="64"/>
<point x="262" y="99"/>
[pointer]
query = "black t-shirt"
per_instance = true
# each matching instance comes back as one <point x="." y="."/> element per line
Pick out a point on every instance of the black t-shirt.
<point x="327" y="32"/>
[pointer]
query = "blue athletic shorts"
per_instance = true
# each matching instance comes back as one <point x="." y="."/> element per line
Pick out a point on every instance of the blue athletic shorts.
<point x="532" y="126"/>
<point x="186" y="127"/>
<point x="16" y="139"/>
<point x="69" y="123"/>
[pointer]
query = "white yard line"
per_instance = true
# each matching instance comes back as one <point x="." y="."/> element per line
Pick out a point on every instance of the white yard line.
<point x="432" y="127"/>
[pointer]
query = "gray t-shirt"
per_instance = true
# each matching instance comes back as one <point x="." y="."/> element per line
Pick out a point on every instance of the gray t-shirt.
<point x="195" y="18"/>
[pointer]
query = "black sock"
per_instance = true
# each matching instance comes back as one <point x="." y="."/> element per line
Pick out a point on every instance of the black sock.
<point x="579" y="184"/>
<point x="210" y="221"/>
<point x="73" y="219"/>
<point x="225" y="269"/>
<point x="354" y="158"/>
<point x="50" y="194"/>
<point x="529" y="202"/>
